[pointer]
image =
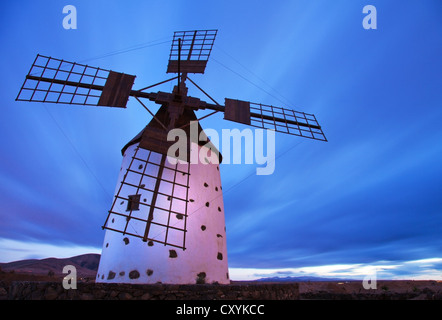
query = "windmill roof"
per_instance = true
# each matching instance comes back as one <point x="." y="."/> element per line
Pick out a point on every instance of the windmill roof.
<point x="153" y="137"/>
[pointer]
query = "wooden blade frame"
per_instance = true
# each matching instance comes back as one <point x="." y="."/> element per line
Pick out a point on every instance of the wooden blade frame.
<point x="159" y="200"/>
<point x="190" y="51"/>
<point x="274" y="118"/>
<point x="286" y="121"/>
<point x="58" y="81"/>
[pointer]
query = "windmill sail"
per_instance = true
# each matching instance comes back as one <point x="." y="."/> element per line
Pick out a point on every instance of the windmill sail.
<point x="275" y="118"/>
<point x="151" y="201"/>
<point x="59" y="81"/>
<point x="190" y="51"/>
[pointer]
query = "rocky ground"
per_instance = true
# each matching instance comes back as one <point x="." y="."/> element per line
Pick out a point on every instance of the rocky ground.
<point x="44" y="278"/>
<point x="308" y="290"/>
<point x="385" y="290"/>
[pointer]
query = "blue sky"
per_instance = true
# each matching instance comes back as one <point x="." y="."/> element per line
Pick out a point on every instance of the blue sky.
<point x="369" y="198"/>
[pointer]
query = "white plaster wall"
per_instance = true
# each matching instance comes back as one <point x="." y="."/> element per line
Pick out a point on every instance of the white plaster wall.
<point x="206" y="251"/>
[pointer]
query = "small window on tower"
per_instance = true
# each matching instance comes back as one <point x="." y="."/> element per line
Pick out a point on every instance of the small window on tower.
<point x="133" y="203"/>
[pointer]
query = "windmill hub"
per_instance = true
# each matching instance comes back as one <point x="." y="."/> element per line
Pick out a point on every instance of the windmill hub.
<point x="166" y="222"/>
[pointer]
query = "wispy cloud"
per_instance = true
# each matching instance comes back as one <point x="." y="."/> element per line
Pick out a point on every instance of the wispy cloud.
<point x="13" y="250"/>
<point x="423" y="269"/>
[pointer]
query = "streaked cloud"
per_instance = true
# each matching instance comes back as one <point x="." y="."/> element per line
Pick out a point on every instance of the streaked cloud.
<point x="13" y="250"/>
<point x="424" y="269"/>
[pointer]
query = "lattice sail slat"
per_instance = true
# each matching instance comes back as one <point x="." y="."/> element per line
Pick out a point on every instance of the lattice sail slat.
<point x="58" y="81"/>
<point x="274" y="118"/>
<point x="190" y="51"/>
<point x="285" y="121"/>
<point x="152" y="199"/>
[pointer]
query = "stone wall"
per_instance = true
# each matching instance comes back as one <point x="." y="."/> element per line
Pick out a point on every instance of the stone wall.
<point x="33" y="290"/>
<point x="100" y="291"/>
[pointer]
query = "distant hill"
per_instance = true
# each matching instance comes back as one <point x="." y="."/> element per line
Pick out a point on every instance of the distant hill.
<point x="86" y="265"/>
<point x="299" y="279"/>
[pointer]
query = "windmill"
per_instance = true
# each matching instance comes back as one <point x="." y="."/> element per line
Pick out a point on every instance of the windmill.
<point x="166" y="222"/>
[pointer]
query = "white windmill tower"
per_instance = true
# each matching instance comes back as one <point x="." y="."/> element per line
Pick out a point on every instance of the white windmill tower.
<point x="166" y="223"/>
